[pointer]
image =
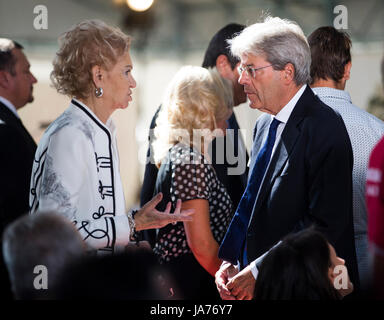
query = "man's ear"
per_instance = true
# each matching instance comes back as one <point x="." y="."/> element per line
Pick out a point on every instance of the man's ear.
<point x="98" y="75"/>
<point x="223" y="66"/>
<point x="5" y="78"/>
<point x="288" y="73"/>
<point x="347" y="70"/>
<point x="331" y="275"/>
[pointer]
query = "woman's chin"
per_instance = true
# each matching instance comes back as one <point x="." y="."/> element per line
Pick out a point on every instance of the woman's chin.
<point x="123" y="105"/>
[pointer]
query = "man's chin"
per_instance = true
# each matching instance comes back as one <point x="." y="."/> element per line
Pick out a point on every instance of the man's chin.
<point x="254" y="105"/>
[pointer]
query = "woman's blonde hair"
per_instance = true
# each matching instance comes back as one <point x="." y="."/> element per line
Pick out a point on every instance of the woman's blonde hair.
<point x="196" y="98"/>
<point x="84" y="45"/>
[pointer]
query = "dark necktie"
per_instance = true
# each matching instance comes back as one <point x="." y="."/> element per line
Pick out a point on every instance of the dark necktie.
<point x="234" y="238"/>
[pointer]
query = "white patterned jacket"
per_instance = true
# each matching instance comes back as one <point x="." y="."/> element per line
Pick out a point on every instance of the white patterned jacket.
<point x="76" y="173"/>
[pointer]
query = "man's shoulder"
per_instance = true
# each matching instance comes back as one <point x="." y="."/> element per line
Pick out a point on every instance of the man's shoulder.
<point x="320" y="114"/>
<point x="8" y="128"/>
<point x="11" y="136"/>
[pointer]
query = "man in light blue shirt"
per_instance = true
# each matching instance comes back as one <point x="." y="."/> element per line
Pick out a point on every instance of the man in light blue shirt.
<point x="330" y="70"/>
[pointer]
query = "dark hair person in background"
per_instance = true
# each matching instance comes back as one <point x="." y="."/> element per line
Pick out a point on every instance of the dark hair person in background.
<point x="301" y="267"/>
<point x="16" y="144"/>
<point x="330" y="70"/>
<point x="217" y="56"/>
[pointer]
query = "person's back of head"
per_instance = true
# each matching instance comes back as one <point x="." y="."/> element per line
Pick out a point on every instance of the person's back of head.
<point x="218" y="54"/>
<point x="39" y="245"/>
<point x="297" y="269"/>
<point x="131" y="275"/>
<point x="331" y="53"/>
<point x="219" y="45"/>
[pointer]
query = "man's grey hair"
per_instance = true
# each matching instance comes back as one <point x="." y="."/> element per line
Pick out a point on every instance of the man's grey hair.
<point x="279" y="41"/>
<point x="47" y="239"/>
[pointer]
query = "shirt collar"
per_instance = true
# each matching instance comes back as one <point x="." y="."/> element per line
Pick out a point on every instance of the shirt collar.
<point x="285" y="113"/>
<point x="327" y="92"/>
<point x="10" y="106"/>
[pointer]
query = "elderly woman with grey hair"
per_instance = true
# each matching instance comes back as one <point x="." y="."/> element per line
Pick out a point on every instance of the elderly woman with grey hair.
<point x="76" y="166"/>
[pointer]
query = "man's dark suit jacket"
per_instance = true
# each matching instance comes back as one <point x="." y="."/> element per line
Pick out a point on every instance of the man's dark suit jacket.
<point x="235" y="184"/>
<point x="17" y="149"/>
<point x="308" y="181"/>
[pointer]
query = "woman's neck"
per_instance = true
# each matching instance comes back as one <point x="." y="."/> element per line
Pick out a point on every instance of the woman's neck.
<point x="97" y="107"/>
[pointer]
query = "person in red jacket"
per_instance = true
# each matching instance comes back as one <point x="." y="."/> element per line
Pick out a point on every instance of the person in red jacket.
<point x="375" y="206"/>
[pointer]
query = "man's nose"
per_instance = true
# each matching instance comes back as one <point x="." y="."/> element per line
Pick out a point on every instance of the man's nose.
<point x="34" y="80"/>
<point x="243" y="78"/>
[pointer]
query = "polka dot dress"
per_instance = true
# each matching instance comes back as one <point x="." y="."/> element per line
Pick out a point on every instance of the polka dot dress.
<point x="192" y="177"/>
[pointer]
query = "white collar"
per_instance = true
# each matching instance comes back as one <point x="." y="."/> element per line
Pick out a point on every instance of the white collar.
<point x="284" y="114"/>
<point x="108" y="125"/>
<point x="10" y="106"/>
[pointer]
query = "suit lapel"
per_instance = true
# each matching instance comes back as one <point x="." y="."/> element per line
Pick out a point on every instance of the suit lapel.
<point x="283" y="150"/>
<point x="258" y="138"/>
<point x="7" y="115"/>
<point x="9" y="118"/>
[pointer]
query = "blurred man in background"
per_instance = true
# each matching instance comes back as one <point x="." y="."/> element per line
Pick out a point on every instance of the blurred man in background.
<point x="16" y="144"/>
<point x="330" y="71"/>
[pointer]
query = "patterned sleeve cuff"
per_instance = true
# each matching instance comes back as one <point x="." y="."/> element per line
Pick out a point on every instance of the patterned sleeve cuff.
<point x="132" y="226"/>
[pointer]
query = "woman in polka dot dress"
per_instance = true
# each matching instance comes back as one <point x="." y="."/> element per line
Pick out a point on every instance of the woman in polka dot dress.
<point x="195" y="109"/>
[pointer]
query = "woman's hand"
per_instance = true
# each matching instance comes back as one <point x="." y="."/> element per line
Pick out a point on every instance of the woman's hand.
<point x="150" y="218"/>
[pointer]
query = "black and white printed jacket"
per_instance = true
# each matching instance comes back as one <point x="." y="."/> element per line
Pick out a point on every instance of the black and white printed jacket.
<point x="76" y="173"/>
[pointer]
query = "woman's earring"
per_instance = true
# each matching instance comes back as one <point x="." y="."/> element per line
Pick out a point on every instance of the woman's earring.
<point x="99" y="92"/>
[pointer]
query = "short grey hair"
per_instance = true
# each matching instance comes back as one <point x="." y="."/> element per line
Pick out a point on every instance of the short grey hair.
<point x="47" y="239"/>
<point x="280" y="41"/>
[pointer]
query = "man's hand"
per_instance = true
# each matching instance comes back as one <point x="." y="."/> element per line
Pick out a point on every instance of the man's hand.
<point x="222" y="276"/>
<point x="242" y="285"/>
<point x="150" y="218"/>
